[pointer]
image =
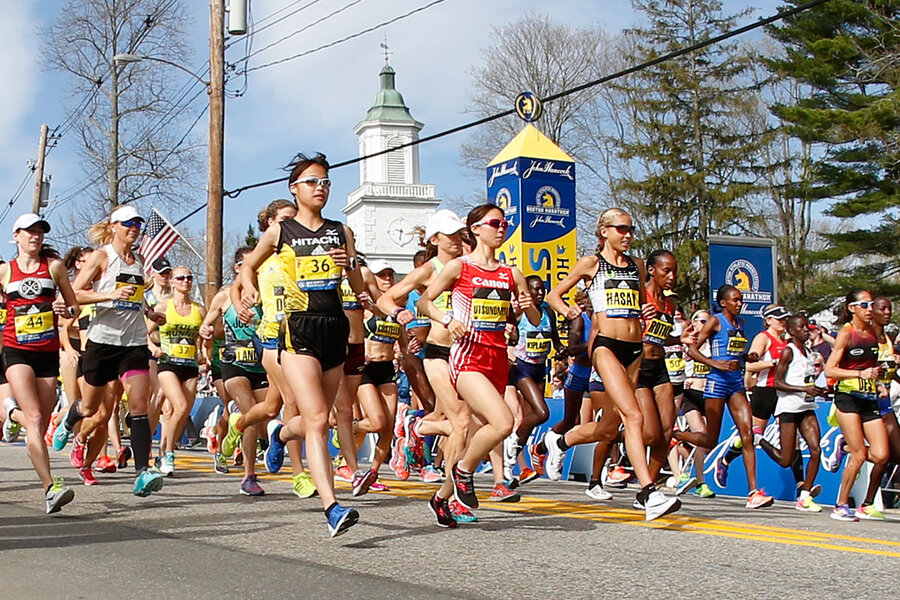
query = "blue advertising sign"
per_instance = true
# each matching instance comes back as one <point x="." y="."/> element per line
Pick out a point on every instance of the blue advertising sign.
<point x="749" y="265"/>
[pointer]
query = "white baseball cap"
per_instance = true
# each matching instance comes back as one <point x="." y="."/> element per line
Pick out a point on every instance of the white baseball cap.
<point x="124" y="213"/>
<point x="378" y="265"/>
<point x="443" y="221"/>
<point x="27" y="220"/>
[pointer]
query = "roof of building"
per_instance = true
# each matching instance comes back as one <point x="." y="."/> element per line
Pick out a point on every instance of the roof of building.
<point x="389" y="104"/>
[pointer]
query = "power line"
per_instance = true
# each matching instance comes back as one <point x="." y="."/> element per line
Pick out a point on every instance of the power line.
<point x="347" y="38"/>
<point x="782" y="14"/>
<point x="16" y="195"/>
<point x="273" y="23"/>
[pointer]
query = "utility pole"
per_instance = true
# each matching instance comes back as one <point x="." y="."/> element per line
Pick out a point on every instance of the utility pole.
<point x="215" y="180"/>
<point x="39" y="171"/>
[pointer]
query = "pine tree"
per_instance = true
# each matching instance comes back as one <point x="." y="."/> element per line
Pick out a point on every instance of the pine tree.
<point x="847" y="55"/>
<point x="689" y="151"/>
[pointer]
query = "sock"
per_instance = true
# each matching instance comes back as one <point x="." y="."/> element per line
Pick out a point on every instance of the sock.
<point x="645" y="493"/>
<point x="731" y="454"/>
<point x="797" y="467"/>
<point x="329" y="509"/>
<point x="140" y="441"/>
<point x="542" y="447"/>
<point x="561" y="443"/>
<point x="593" y="482"/>
<point x="804" y="494"/>
<point x="73" y="417"/>
<point x="457" y="468"/>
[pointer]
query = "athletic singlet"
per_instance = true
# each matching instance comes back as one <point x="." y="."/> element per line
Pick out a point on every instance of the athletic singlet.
<point x="349" y="301"/>
<point x="616" y="291"/>
<point x="238" y="349"/>
<point x="799" y="372"/>
<point x="675" y="352"/>
<point x="312" y="278"/>
<point x="729" y="342"/>
<point x="696" y="369"/>
<point x="86" y="315"/>
<point x="178" y="337"/>
<point x="535" y="341"/>
<point x="419" y="320"/>
<point x="271" y="281"/>
<point x="443" y="300"/>
<point x="2" y="312"/>
<point x="120" y="322"/>
<point x="657" y="330"/>
<point x="481" y="301"/>
<point x="861" y="354"/>
<point x="766" y="377"/>
<point x="886" y="360"/>
<point x="30" y="321"/>
<point x="384" y="330"/>
<point x="218" y="347"/>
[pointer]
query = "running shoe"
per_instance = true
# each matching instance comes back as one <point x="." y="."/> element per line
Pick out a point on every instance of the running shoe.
<point x="398" y="460"/>
<point x="638" y="504"/>
<point x="239" y="458"/>
<point x="461" y="514"/>
<point x="703" y="491"/>
<point x="440" y="508"/>
<point x="721" y="475"/>
<point x="220" y="464"/>
<point x="343" y="473"/>
<point x="147" y="482"/>
<point x="597" y="492"/>
<point x="250" y="486"/>
<point x="212" y="442"/>
<point x="833" y="463"/>
<point x="869" y="513"/>
<point x="814" y="491"/>
<point x="431" y="475"/>
<point x="757" y="435"/>
<point x="76" y="457"/>
<point x="303" y="485"/>
<point x="502" y="493"/>
<point x="260" y="456"/>
<point x="232" y="439"/>
<point x="510" y="454"/>
<point x="400" y="420"/>
<point x="87" y="476"/>
<point x="341" y="519"/>
<point x="58" y="495"/>
<point x="414" y="447"/>
<point x="617" y="477"/>
<point x="51" y="429"/>
<point x="61" y="436"/>
<point x="537" y="459"/>
<point x="806" y="504"/>
<point x="363" y="480"/>
<point x="335" y="440"/>
<point x="122" y="457"/>
<point x="275" y="453"/>
<point x="555" y="457"/>
<point x="377" y="486"/>
<point x="464" y="488"/>
<point x="11" y="429"/>
<point x="759" y="499"/>
<point x="106" y="465"/>
<point x="685" y="484"/>
<point x="167" y="464"/>
<point x="527" y="476"/>
<point x="658" y="504"/>
<point x="843" y="512"/>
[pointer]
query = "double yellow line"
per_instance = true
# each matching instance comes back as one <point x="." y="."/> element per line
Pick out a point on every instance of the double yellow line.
<point x="625" y="516"/>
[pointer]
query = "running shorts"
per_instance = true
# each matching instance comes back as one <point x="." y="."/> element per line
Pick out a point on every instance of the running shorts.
<point x="763" y="401"/>
<point x="436" y="352"/>
<point x="625" y="352"/>
<point x="183" y="372"/>
<point x="102" y="363"/>
<point x="884" y="405"/>
<point x="44" y="364"/>
<point x="577" y="378"/>
<point x="866" y="408"/>
<point x="324" y="337"/>
<point x="378" y="372"/>
<point x="723" y="384"/>
<point x="258" y="381"/>
<point x="693" y="400"/>
<point x="523" y="369"/>
<point x="795" y="417"/>
<point x="356" y="359"/>
<point x="652" y="373"/>
<point x="487" y="360"/>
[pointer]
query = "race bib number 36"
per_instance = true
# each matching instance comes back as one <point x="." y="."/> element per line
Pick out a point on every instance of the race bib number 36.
<point x="317" y="273"/>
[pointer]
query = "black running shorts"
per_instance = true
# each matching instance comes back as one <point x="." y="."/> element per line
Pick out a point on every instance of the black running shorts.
<point x="324" y="337"/>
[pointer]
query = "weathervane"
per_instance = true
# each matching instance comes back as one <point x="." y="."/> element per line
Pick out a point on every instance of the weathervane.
<point x="387" y="51"/>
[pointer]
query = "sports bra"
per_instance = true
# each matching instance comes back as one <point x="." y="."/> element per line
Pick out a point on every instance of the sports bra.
<point x="616" y="291"/>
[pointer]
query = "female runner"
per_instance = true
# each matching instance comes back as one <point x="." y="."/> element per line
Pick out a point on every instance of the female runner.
<point x="616" y="290"/>
<point x="481" y="292"/>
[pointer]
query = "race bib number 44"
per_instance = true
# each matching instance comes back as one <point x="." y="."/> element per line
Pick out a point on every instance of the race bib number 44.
<point x="34" y="323"/>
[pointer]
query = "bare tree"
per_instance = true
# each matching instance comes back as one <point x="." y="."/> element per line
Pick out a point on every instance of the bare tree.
<point x="126" y="117"/>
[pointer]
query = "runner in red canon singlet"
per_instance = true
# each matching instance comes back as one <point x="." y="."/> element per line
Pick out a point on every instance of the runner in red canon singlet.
<point x="481" y="296"/>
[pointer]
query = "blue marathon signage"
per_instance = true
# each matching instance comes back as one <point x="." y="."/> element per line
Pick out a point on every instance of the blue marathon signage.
<point x="749" y="265"/>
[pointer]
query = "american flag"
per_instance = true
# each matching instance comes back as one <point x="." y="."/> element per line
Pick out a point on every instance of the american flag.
<point x="159" y="236"/>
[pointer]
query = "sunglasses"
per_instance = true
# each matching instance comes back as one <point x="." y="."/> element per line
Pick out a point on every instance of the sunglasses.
<point x="132" y="223"/>
<point x="315" y="181"/>
<point x="183" y="278"/>
<point x="863" y="304"/>
<point x="495" y="223"/>
<point x="701" y="321"/>
<point x="819" y="365"/>
<point x="623" y="229"/>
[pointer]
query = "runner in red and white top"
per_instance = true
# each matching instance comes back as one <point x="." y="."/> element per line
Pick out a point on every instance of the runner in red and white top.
<point x="482" y="291"/>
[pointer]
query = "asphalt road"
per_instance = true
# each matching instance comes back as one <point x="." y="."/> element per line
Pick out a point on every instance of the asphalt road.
<point x="198" y="538"/>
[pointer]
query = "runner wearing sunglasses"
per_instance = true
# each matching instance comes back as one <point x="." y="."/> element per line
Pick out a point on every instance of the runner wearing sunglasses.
<point x="616" y="289"/>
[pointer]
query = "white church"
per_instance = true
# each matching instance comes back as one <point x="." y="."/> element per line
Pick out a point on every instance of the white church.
<point x="391" y="201"/>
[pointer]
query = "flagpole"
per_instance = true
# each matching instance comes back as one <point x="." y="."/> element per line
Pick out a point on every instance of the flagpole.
<point x="180" y="236"/>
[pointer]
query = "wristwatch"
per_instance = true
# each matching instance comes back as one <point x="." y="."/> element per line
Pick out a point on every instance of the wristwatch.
<point x="446" y="320"/>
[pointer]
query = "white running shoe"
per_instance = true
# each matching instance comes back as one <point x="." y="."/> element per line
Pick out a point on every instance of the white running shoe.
<point x="11" y="429"/>
<point x="554" y="463"/>
<point x="510" y="454"/>
<point x="598" y="493"/>
<point x="658" y="504"/>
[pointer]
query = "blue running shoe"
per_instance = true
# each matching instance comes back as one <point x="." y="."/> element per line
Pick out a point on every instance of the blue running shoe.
<point x="61" y="436"/>
<point x="721" y="472"/>
<point x="275" y="453"/>
<point x="341" y="519"/>
<point x="147" y="482"/>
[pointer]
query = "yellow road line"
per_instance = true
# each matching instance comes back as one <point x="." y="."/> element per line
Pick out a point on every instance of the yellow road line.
<point x="607" y="514"/>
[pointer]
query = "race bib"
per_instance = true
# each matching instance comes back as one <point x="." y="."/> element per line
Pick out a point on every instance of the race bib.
<point x="700" y="370"/>
<point x="182" y="351"/>
<point x="136" y="300"/>
<point x="349" y="301"/>
<point x="34" y="323"/>
<point x="317" y="273"/>
<point x="737" y="343"/>
<point x="279" y="303"/>
<point x="245" y="353"/>
<point x="676" y="365"/>
<point x="385" y="332"/>
<point x="490" y="308"/>
<point x="537" y="347"/>
<point x="658" y="330"/>
<point x="622" y="302"/>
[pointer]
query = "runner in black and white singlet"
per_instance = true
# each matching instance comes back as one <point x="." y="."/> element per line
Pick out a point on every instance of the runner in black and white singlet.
<point x="117" y="338"/>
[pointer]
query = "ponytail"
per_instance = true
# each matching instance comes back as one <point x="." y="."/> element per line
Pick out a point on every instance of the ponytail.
<point x="100" y="234"/>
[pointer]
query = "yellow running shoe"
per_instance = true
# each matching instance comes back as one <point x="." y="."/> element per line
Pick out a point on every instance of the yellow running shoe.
<point x="807" y="505"/>
<point x="303" y="485"/>
<point x="232" y="439"/>
<point x="867" y="511"/>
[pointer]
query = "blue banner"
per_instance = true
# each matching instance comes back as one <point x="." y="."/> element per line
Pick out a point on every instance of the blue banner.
<point x="749" y="265"/>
